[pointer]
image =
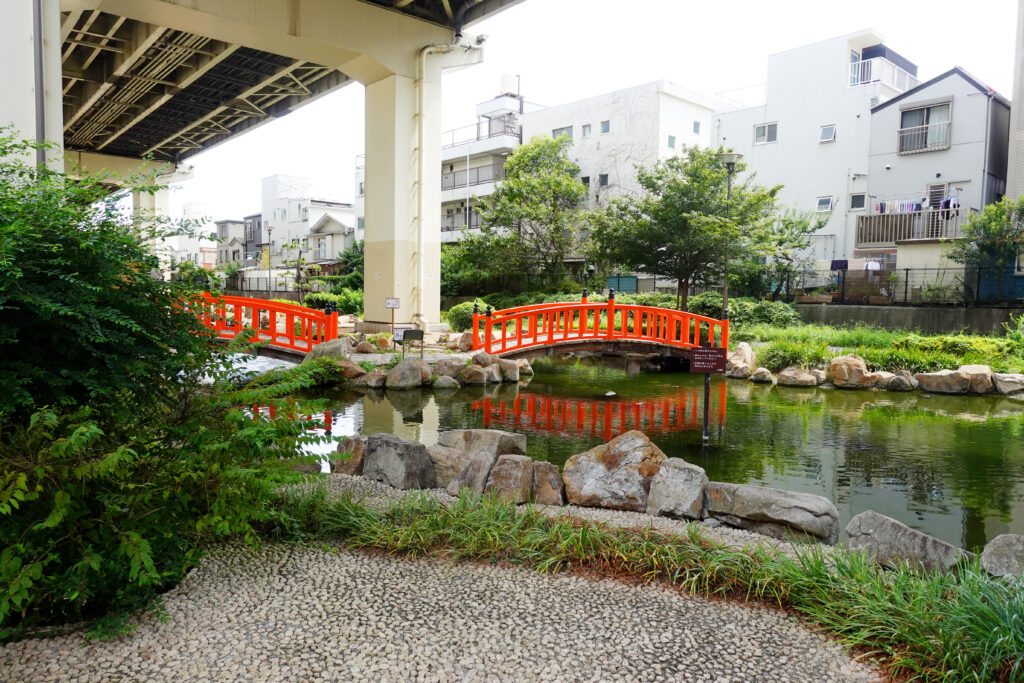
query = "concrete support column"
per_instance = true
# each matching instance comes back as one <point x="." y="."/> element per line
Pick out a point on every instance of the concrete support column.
<point x="403" y="245"/>
<point x="30" y="81"/>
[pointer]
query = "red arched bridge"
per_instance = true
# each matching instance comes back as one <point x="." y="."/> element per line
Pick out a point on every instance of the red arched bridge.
<point x="543" y="328"/>
<point x="673" y="412"/>
<point x="286" y="326"/>
<point x="523" y="331"/>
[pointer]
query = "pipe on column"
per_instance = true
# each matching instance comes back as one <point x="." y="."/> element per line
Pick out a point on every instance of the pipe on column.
<point x="40" y="82"/>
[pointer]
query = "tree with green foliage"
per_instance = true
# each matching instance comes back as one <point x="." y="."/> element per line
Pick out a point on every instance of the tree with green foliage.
<point x="352" y="260"/>
<point x="783" y="244"/>
<point x="991" y="238"/>
<point x="124" y="443"/>
<point x="540" y="202"/>
<point x="490" y="261"/>
<point x="683" y="227"/>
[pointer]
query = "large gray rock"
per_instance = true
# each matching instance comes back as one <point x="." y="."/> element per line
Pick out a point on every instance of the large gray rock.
<point x="408" y="374"/>
<point x="819" y="375"/>
<point x="509" y="370"/>
<point x="773" y="512"/>
<point x="796" y="377"/>
<point x="511" y="478"/>
<point x="397" y="462"/>
<point x="889" y="541"/>
<point x="474" y="476"/>
<point x="677" y="490"/>
<point x="365" y="347"/>
<point x="446" y="382"/>
<point x="761" y="376"/>
<point x="944" y="381"/>
<point x="473" y="374"/>
<point x="373" y="380"/>
<point x="450" y="366"/>
<point x="1004" y="556"/>
<point x="850" y="372"/>
<point x="335" y="348"/>
<point x="448" y="463"/>
<point x="475" y="441"/>
<point x="484" y="359"/>
<point x="492" y="373"/>
<point x="743" y="354"/>
<point x="354" y="446"/>
<point x="901" y="383"/>
<point x="911" y="380"/>
<point x="349" y="369"/>
<point x="1008" y="383"/>
<point x="981" y="381"/>
<point x="738" y="370"/>
<point x="614" y="475"/>
<point x="525" y="369"/>
<point x="548" y="488"/>
<point x="466" y="342"/>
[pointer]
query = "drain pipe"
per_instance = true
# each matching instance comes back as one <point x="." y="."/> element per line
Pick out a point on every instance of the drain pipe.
<point x="40" y="94"/>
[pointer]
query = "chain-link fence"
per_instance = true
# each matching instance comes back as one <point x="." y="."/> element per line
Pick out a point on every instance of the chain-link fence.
<point x="911" y="286"/>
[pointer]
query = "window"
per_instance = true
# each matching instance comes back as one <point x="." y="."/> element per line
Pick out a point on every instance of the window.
<point x="235" y="254"/>
<point x="361" y="223"/>
<point x="305" y="213"/>
<point x="222" y="231"/>
<point x="362" y="188"/>
<point x="586" y="181"/>
<point x="602" y="180"/>
<point x="824" y="204"/>
<point x="671" y="141"/>
<point x="585" y="130"/>
<point x="606" y="127"/>
<point x="557" y="132"/>
<point x="857" y="201"/>
<point x="696" y="127"/>
<point x="250" y="230"/>
<point x="924" y="129"/>
<point x="1019" y="268"/>
<point x="827" y="133"/>
<point x="765" y="133"/>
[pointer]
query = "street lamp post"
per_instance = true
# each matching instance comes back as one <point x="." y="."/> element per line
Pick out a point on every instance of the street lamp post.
<point x="270" y="255"/>
<point x="730" y="159"/>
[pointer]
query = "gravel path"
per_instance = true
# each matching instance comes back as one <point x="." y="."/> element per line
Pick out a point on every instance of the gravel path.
<point x="292" y="613"/>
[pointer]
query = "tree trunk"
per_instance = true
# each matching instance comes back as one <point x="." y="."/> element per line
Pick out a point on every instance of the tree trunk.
<point x="683" y="293"/>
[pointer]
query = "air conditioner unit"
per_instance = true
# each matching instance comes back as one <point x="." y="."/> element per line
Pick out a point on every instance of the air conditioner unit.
<point x="875" y="101"/>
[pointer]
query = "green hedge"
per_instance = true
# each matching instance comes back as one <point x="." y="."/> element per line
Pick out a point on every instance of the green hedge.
<point x="347" y="301"/>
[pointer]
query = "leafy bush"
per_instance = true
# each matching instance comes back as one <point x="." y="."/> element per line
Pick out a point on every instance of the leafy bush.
<point x="460" y="316"/>
<point x="957" y="344"/>
<point x="347" y="301"/>
<point x="783" y="354"/>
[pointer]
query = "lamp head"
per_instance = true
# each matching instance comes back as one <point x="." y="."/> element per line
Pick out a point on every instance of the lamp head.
<point x="730" y="159"/>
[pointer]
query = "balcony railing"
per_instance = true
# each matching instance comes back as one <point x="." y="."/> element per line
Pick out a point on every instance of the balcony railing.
<point x="880" y="70"/>
<point x="457" y="221"/>
<point x="481" y="130"/>
<point x="926" y="138"/>
<point x="477" y="176"/>
<point x="885" y="230"/>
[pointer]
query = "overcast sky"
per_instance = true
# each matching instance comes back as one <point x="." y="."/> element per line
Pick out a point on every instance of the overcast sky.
<point x="565" y="50"/>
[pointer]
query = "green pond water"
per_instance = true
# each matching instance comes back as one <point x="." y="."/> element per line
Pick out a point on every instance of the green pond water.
<point x="951" y="466"/>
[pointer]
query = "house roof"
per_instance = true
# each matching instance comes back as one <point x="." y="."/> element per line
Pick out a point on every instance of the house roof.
<point x="955" y="71"/>
<point x="320" y="227"/>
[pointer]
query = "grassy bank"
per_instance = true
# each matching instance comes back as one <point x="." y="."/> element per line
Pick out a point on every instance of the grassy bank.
<point x="931" y="627"/>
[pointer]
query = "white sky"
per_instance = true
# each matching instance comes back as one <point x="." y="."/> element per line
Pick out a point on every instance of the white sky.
<point x="566" y="50"/>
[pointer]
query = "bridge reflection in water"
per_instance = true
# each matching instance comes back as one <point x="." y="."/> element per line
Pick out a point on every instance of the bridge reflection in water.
<point x="676" y="411"/>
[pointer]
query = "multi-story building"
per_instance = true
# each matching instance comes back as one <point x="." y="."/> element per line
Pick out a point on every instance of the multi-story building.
<point x="231" y="243"/>
<point x="813" y="131"/>
<point x="937" y="154"/>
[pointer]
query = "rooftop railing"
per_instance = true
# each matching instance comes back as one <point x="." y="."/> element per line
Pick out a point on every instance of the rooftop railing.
<point x="886" y="229"/>
<point x="481" y="130"/>
<point x="881" y="70"/>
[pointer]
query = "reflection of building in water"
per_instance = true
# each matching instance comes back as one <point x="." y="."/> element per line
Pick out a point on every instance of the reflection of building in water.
<point x="606" y="418"/>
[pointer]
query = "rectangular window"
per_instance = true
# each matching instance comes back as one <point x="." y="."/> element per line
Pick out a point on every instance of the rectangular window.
<point x="696" y="127"/>
<point x="857" y="202"/>
<point x="249" y="230"/>
<point x="924" y="129"/>
<point x="1019" y="269"/>
<point x="606" y="127"/>
<point x="586" y="181"/>
<point x="362" y="188"/>
<point x="360" y="222"/>
<point x="585" y="130"/>
<point x="671" y="141"/>
<point x="602" y="180"/>
<point x="827" y="133"/>
<point x="824" y="204"/>
<point x="222" y="231"/>
<point x="765" y="133"/>
<point x="558" y="132"/>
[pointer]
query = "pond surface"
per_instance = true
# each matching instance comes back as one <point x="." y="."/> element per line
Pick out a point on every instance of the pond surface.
<point x="951" y="466"/>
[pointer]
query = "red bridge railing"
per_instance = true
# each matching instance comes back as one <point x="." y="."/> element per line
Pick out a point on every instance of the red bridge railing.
<point x="542" y="325"/>
<point x="606" y="418"/>
<point x="288" y="326"/>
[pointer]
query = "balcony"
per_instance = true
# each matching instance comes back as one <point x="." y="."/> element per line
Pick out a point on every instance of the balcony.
<point x="927" y="138"/>
<point x="879" y="70"/>
<point x="888" y="229"/>
<point x="457" y="221"/>
<point x="476" y="176"/>
<point x="481" y="130"/>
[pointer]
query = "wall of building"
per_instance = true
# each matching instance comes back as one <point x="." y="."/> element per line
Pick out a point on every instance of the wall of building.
<point x="923" y="255"/>
<point x="933" y="320"/>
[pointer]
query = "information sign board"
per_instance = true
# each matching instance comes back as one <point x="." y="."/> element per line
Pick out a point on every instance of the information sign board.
<point x="390" y="302"/>
<point x="707" y="361"/>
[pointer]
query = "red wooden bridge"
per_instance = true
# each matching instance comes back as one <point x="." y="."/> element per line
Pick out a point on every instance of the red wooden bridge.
<point x="526" y="330"/>
<point x="607" y="418"/>
<point x="286" y="326"/>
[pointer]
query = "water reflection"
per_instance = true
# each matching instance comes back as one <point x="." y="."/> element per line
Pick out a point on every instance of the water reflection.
<point x="950" y="466"/>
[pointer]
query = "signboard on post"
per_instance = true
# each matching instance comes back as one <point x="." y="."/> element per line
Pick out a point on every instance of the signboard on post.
<point x="391" y="302"/>
<point x="707" y="362"/>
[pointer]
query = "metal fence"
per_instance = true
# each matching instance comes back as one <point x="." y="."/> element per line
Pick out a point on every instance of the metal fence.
<point x="957" y="286"/>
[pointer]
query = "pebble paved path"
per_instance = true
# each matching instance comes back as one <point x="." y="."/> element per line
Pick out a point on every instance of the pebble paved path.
<point x="290" y="613"/>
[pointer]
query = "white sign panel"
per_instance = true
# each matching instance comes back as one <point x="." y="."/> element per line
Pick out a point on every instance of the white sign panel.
<point x="391" y="302"/>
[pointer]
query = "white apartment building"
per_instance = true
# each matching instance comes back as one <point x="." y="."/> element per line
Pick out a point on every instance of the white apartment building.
<point x="938" y="153"/>
<point x="294" y="223"/>
<point x="813" y="131"/>
<point x="610" y="134"/>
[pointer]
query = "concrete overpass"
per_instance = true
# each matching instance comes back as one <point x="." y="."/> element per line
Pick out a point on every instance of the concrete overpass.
<point x="113" y="82"/>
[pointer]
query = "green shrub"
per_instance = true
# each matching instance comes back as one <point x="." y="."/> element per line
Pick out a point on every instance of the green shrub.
<point x="460" y="316"/>
<point x="346" y="301"/>
<point x="783" y="354"/>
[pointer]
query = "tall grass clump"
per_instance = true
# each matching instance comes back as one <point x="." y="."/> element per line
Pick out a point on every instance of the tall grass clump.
<point x="783" y="354"/>
<point x="959" y="626"/>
